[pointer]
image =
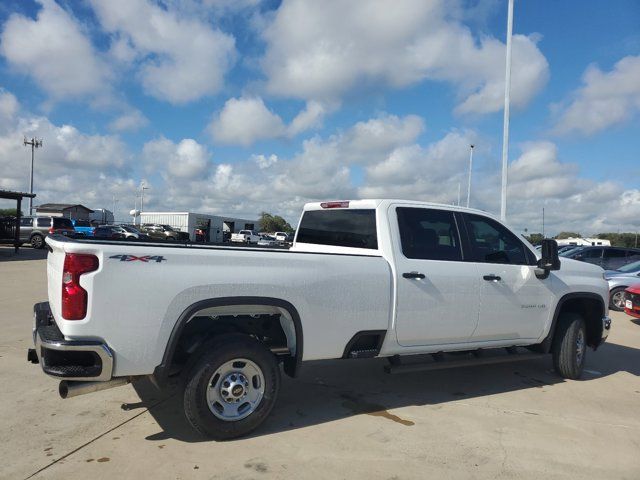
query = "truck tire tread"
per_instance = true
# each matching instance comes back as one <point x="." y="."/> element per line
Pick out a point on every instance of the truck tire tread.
<point x="564" y="346"/>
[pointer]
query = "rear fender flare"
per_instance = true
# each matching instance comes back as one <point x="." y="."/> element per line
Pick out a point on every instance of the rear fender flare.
<point x="291" y="365"/>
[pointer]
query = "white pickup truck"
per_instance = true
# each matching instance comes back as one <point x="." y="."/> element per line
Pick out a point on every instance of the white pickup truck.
<point x="245" y="236"/>
<point x="364" y="278"/>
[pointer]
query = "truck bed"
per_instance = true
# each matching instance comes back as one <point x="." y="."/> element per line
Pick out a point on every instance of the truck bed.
<point x="140" y="290"/>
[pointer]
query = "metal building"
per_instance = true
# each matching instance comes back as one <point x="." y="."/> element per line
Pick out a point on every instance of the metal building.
<point x="216" y="227"/>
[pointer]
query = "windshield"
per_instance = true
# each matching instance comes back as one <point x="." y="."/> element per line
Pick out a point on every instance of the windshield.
<point x="129" y="229"/>
<point x="630" y="267"/>
<point x="168" y="228"/>
<point x="566" y="253"/>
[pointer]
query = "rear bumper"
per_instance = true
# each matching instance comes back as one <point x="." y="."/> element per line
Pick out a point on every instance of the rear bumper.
<point x="78" y="360"/>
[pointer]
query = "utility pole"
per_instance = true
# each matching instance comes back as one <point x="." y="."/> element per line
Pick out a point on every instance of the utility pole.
<point x="459" y="194"/>
<point x="470" y="168"/>
<point x="505" y="127"/>
<point x="35" y="143"/>
<point x="542" y="222"/>
<point x="142" y="198"/>
<point x="115" y="201"/>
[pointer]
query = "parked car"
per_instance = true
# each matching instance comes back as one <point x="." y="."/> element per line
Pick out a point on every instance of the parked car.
<point x="268" y="241"/>
<point x="83" y="228"/>
<point x="33" y="230"/>
<point x="632" y="301"/>
<point x="619" y="280"/>
<point x="609" y="258"/>
<point x="108" y="232"/>
<point x="245" y="236"/>
<point x="563" y="251"/>
<point x="281" y="236"/>
<point x="129" y="231"/>
<point x="364" y="278"/>
<point x="164" y="232"/>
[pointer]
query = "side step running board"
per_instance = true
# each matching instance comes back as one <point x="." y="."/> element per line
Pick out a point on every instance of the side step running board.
<point x="440" y="364"/>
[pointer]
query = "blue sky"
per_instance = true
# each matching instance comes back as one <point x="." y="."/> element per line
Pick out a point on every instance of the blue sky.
<point x="242" y="106"/>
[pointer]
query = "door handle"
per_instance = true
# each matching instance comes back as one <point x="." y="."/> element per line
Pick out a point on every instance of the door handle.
<point x="492" y="278"/>
<point x="413" y="275"/>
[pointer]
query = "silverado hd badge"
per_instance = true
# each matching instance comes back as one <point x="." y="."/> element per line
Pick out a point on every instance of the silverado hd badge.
<point x="145" y="258"/>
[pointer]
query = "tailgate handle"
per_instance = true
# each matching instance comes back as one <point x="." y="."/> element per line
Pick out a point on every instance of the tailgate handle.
<point x="413" y="275"/>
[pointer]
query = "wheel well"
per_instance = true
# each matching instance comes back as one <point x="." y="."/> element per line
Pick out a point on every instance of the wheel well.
<point x="275" y="324"/>
<point x="591" y="309"/>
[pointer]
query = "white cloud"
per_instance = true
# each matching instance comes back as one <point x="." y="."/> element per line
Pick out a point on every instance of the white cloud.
<point x="179" y="58"/>
<point x="604" y="99"/>
<point x="323" y="50"/>
<point x="245" y="120"/>
<point x="310" y="117"/>
<point x="129" y="121"/>
<point x="185" y="160"/>
<point x="55" y="52"/>
<point x="265" y="162"/>
<point x="8" y="108"/>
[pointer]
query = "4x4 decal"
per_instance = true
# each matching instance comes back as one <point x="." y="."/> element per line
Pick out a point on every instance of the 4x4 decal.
<point x="145" y="258"/>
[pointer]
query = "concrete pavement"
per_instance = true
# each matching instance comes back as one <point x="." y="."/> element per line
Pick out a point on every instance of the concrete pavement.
<point x="342" y="419"/>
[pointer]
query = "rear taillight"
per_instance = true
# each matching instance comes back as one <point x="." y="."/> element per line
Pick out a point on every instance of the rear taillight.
<point x="52" y="231"/>
<point x="74" y="297"/>
<point x="335" y="205"/>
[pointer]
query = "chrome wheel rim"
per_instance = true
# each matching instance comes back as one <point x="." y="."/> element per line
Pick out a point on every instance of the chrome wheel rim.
<point x="235" y="390"/>
<point x="618" y="299"/>
<point x="580" y="346"/>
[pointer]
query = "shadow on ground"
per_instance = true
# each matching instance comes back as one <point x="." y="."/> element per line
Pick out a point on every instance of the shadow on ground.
<point x="332" y="390"/>
<point x="8" y="254"/>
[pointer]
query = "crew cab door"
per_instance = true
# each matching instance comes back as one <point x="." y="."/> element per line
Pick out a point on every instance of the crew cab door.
<point x="514" y="303"/>
<point x="437" y="293"/>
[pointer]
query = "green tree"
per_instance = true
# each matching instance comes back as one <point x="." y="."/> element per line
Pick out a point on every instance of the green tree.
<point x="562" y="235"/>
<point x="274" y="223"/>
<point x="9" y="212"/>
<point x="535" y="238"/>
<point x="620" y="239"/>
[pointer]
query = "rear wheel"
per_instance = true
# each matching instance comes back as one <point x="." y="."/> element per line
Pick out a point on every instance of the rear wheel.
<point x="570" y="346"/>
<point x="616" y="299"/>
<point x="231" y="387"/>
<point x="37" y="241"/>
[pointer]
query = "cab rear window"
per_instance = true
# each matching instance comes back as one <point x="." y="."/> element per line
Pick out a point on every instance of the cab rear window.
<point x="339" y="228"/>
<point x="62" y="223"/>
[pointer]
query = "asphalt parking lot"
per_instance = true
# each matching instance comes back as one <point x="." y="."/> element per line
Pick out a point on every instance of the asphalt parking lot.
<point x="343" y="419"/>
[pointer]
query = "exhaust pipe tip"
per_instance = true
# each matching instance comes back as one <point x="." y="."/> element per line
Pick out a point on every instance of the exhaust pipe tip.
<point x="68" y="389"/>
<point x="63" y="389"/>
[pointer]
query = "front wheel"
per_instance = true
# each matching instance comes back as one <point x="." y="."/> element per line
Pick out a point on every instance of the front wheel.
<point x="231" y="387"/>
<point x="570" y="346"/>
<point x="616" y="299"/>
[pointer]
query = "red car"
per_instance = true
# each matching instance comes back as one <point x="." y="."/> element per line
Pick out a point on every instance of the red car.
<point x="632" y="301"/>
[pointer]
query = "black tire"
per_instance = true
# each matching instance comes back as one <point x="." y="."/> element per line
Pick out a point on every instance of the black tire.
<point x="570" y="346"/>
<point x="37" y="241"/>
<point x="613" y="299"/>
<point x="203" y="366"/>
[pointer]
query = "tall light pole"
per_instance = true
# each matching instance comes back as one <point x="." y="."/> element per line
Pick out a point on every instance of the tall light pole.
<point x="505" y="129"/>
<point x="470" y="168"/>
<point x="142" y="198"/>
<point x="35" y="143"/>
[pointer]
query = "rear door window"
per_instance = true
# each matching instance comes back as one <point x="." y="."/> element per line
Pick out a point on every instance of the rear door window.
<point x="428" y="234"/>
<point x="354" y="228"/>
<point x="43" y="222"/>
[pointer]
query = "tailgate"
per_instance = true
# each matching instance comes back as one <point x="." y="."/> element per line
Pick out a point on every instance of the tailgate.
<point x="55" y="265"/>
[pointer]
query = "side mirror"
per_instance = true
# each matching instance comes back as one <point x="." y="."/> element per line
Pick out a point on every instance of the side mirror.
<point x="550" y="259"/>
